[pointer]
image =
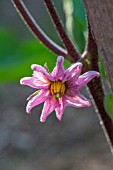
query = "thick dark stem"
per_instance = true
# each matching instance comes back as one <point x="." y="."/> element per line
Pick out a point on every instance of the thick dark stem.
<point x="67" y="42"/>
<point x="27" y="18"/>
<point x="98" y="96"/>
<point x="95" y="88"/>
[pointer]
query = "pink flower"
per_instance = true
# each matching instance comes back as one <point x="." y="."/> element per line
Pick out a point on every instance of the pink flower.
<point x="58" y="89"/>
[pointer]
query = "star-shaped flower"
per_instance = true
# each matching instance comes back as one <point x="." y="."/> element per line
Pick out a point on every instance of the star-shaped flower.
<point x="58" y="89"/>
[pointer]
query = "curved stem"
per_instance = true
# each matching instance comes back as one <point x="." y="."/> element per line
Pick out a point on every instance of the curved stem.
<point x="67" y="42"/>
<point x="27" y="18"/>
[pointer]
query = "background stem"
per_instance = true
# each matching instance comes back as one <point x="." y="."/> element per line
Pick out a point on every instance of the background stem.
<point x="64" y="37"/>
<point x="33" y="26"/>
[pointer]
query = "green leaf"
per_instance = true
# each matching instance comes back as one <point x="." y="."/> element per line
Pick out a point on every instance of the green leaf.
<point x="76" y="22"/>
<point x="108" y="104"/>
<point x="68" y="11"/>
<point x="79" y="24"/>
<point x="101" y="68"/>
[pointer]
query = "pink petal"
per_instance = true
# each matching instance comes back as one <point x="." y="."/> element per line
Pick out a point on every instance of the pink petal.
<point x="34" y="82"/>
<point x="40" y="76"/>
<point x="86" y="78"/>
<point x="58" y="71"/>
<point x="77" y="101"/>
<point x="29" y="81"/>
<point x="59" y="110"/>
<point x="72" y="73"/>
<point x="42" y="71"/>
<point x="49" y="105"/>
<point x="38" y="99"/>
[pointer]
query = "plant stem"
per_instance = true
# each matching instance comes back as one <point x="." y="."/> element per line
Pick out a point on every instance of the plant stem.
<point x="64" y="37"/>
<point x="34" y="27"/>
<point x="95" y="88"/>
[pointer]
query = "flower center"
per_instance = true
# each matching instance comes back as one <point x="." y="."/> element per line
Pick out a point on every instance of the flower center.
<point x="57" y="89"/>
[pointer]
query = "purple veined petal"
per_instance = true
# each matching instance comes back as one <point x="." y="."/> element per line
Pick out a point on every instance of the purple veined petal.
<point x="86" y="78"/>
<point x="77" y="101"/>
<point x="72" y="90"/>
<point x="60" y="110"/>
<point x="29" y="81"/>
<point x="72" y="73"/>
<point x="74" y="77"/>
<point x="34" y="82"/>
<point x="41" y="85"/>
<point x="42" y="71"/>
<point x="40" y="76"/>
<point x="59" y="113"/>
<point x="49" y="106"/>
<point x="58" y="71"/>
<point x="38" y="99"/>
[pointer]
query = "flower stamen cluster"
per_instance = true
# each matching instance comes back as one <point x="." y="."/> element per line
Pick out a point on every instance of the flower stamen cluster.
<point x="57" y="89"/>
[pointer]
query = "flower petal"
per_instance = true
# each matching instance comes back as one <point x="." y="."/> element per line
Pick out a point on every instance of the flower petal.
<point x="34" y="82"/>
<point x="40" y="76"/>
<point x="29" y="81"/>
<point x="49" y="105"/>
<point x="59" y="110"/>
<point x="77" y="101"/>
<point x="42" y="71"/>
<point x="72" y="73"/>
<point x="86" y="78"/>
<point x="38" y="99"/>
<point x="58" y="71"/>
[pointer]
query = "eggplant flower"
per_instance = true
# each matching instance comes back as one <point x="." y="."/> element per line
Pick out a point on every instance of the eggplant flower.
<point x="58" y="89"/>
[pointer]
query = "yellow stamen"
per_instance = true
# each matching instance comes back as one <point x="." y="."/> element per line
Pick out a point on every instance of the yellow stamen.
<point x="57" y="89"/>
<point x="63" y="89"/>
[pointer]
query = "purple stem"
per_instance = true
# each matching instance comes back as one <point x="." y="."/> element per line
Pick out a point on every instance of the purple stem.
<point x="33" y="26"/>
<point x="64" y="37"/>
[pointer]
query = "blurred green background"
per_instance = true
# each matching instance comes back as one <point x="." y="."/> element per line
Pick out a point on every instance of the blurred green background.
<point x="77" y="142"/>
<point x="19" y="48"/>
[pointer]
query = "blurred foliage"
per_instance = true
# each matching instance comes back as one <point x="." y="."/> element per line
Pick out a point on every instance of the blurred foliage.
<point x="79" y="24"/>
<point x="76" y="22"/>
<point x="16" y="57"/>
<point x="108" y="104"/>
